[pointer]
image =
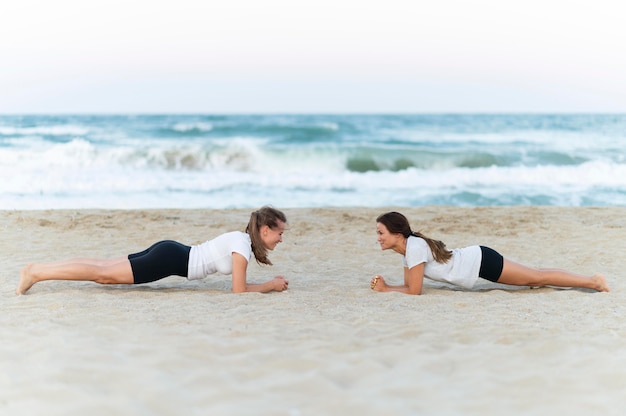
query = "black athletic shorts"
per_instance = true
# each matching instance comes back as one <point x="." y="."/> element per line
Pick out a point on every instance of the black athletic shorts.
<point x="162" y="259"/>
<point x="491" y="264"/>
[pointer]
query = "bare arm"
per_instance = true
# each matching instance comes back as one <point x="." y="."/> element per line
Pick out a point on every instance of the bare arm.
<point x="413" y="282"/>
<point x="240" y="266"/>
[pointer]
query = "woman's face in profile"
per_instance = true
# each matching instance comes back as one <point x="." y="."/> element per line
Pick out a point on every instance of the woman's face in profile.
<point x="386" y="239"/>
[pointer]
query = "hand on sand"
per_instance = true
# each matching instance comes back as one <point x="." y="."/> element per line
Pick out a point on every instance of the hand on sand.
<point x="280" y="283"/>
<point x="377" y="283"/>
<point x="600" y="281"/>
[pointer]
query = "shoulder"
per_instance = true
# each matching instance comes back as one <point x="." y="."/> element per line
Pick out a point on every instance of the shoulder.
<point x="416" y="243"/>
<point x="417" y="252"/>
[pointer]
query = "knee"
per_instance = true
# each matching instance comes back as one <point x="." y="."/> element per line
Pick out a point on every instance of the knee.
<point x="104" y="276"/>
<point x="519" y="275"/>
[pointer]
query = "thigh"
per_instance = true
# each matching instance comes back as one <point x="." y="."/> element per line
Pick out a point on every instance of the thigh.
<point x="112" y="262"/>
<point x="120" y="271"/>
<point x="517" y="274"/>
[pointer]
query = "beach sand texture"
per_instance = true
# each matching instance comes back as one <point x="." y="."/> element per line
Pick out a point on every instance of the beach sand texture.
<point x="328" y="345"/>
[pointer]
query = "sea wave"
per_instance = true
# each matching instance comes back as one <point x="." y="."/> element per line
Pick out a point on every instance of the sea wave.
<point x="192" y="128"/>
<point x="311" y="160"/>
<point x="592" y="183"/>
<point x="253" y="154"/>
<point x="52" y="130"/>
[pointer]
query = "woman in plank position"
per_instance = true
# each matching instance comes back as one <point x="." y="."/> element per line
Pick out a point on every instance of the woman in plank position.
<point x="426" y="257"/>
<point x="228" y="253"/>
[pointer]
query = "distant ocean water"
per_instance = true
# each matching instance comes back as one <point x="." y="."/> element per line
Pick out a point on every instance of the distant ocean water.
<point x="241" y="161"/>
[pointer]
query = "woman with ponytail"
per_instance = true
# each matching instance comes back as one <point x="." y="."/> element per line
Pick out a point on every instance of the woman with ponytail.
<point x="425" y="257"/>
<point x="228" y="253"/>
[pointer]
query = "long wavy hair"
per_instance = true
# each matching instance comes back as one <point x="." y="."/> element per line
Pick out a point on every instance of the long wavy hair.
<point x="265" y="216"/>
<point x="397" y="223"/>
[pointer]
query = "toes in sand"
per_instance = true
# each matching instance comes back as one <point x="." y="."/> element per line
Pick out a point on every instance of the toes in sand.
<point x="26" y="280"/>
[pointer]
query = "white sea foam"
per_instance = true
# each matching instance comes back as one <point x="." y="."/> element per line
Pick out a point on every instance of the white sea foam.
<point x="53" y="130"/>
<point x="128" y="187"/>
<point x="234" y="161"/>
<point x="187" y="127"/>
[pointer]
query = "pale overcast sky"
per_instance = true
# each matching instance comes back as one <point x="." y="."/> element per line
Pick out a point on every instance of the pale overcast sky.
<point x="268" y="56"/>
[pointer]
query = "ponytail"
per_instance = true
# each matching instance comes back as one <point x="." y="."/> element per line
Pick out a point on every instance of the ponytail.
<point x="440" y="252"/>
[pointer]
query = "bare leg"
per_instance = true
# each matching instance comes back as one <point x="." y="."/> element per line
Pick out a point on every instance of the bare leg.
<point x="520" y="275"/>
<point x="85" y="261"/>
<point x="109" y="271"/>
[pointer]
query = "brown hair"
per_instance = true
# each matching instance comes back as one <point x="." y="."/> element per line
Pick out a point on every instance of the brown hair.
<point x="397" y="223"/>
<point x="265" y="216"/>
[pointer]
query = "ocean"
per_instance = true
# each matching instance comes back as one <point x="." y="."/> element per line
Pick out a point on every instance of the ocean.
<point x="245" y="161"/>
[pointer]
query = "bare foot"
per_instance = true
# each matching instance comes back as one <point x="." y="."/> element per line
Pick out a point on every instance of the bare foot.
<point x="600" y="281"/>
<point x="26" y="280"/>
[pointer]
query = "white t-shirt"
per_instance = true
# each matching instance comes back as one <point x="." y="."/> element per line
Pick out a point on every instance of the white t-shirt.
<point x="461" y="270"/>
<point x="216" y="255"/>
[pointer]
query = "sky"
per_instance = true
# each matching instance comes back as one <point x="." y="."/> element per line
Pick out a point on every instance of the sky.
<point x="302" y="56"/>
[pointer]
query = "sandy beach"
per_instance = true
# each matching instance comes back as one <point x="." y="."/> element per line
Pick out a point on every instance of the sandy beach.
<point x="328" y="345"/>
